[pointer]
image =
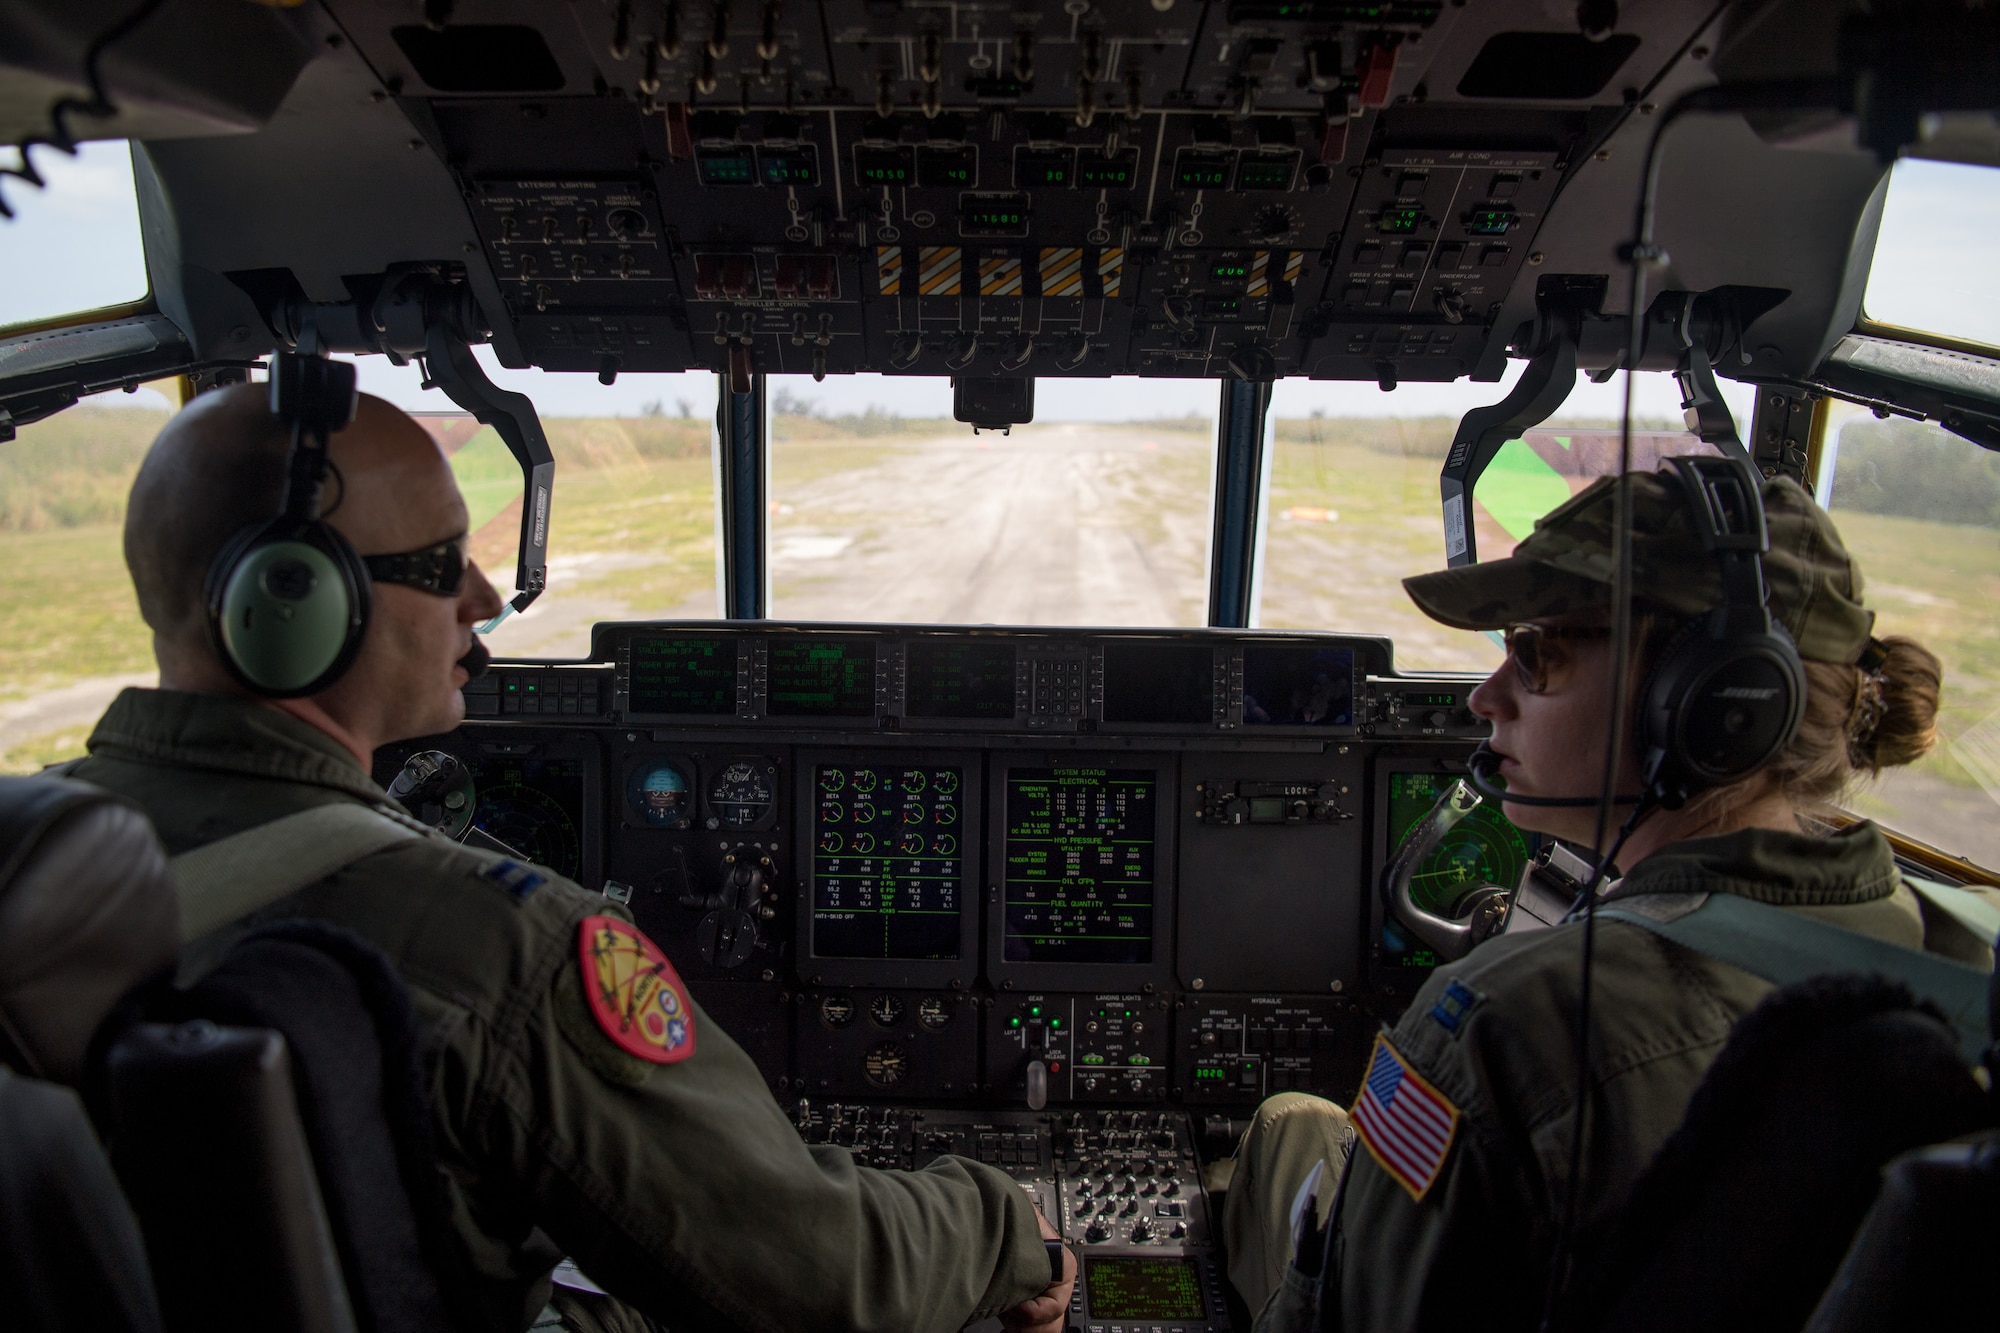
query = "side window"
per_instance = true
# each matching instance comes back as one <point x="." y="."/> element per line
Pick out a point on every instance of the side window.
<point x="73" y="246"/>
<point x="1919" y="509"/>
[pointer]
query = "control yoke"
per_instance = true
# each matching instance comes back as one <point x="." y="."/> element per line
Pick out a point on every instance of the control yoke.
<point x="1480" y="913"/>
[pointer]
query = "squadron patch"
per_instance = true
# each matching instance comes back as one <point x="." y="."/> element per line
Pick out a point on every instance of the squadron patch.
<point x="633" y="991"/>
<point x="1407" y="1124"/>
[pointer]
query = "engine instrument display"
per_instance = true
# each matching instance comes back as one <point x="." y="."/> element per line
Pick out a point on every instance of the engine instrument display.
<point x="1485" y="848"/>
<point x="744" y="794"/>
<point x="689" y="675"/>
<point x="822" y="678"/>
<point x="1292" y="686"/>
<point x="1145" y="1289"/>
<point x="1159" y="682"/>
<point x="1080" y="865"/>
<point x="888" y="862"/>
<point x="534" y="806"/>
<point x="659" y="795"/>
<point x="959" y="678"/>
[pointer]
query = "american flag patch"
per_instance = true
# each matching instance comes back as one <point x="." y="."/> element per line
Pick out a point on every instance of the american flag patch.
<point x="1406" y="1123"/>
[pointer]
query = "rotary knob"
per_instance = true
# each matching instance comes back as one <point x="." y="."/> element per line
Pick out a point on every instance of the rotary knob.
<point x="1096" y="1232"/>
<point x="1142" y="1230"/>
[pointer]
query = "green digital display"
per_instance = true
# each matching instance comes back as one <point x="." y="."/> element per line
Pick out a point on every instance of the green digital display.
<point x="948" y="168"/>
<point x="883" y="166"/>
<point x="1491" y="221"/>
<point x="1430" y="701"/>
<point x="1095" y="171"/>
<point x="888" y="862"/>
<point x="1195" y="170"/>
<point x="993" y="215"/>
<point x="1398" y="221"/>
<point x="1265" y="172"/>
<point x="683" y="675"/>
<point x="789" y="166"/>
<point x="1144" y="1289"/>
<point x="1079" y="865"/>
<point x="726" y="166"/>
<point x="1044" y="168"/>
<point x="1484" y="848"/>
<point x="822" y="678"/>
<point x="1229" y="270"/>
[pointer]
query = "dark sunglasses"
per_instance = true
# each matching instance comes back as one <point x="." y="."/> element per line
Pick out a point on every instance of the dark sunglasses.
<point x="1526" y="645"/>
<point x="439" y="569"/>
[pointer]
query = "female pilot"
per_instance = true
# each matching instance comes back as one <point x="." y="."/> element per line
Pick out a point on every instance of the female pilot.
<point x="1449" y="1214"/>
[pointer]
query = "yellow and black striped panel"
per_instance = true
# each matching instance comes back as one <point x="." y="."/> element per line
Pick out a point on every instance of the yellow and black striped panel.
<point x="1062" y="270"/>
<point x="1260" y="274"/>
<point x="940" y="269"/>
<point x="1111" y="268"/>
<point x="1000" y="275"/>
<point x="1295" y="262"/>
<point x="889" y="269"/>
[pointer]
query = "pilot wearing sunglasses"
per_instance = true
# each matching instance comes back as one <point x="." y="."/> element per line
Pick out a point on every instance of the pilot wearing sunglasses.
<point x="662" y="1166"/>
<point x="1455" y="1154"/>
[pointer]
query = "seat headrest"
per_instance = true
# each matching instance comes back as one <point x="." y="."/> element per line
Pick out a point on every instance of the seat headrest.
<point x="87" y="912"/>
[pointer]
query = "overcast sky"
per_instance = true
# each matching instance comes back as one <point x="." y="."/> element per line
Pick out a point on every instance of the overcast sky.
<point x="75" y="246"/>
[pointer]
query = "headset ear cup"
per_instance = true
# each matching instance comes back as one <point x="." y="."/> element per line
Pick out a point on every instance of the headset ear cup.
<point x="288" y="604"/>
<point x="1717" y="711"/>
<point x="1667" y="683"/>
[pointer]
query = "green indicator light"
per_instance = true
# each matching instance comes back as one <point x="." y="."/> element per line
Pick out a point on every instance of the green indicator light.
<point x="1034" y="1011"/>
<point x="1055" y="1022"/>
<point x="1014" y="1022"/>
<point x="1141" y="1060"/>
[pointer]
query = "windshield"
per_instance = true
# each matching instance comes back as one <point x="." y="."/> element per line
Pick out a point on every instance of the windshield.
<point x="1935" y="269"/>
<point x="74" y="245"/>
<point x="1097" y="513"/>
<point x="1353" y="506"/>
<point x="1919" y="509"/>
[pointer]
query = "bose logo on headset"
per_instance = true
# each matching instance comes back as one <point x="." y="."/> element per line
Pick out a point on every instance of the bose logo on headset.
<point x="288" y="598"/>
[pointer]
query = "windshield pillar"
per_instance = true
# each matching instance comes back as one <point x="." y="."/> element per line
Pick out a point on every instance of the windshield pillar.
<point x="1239" y="483"/>
<point x="743" y="514"/>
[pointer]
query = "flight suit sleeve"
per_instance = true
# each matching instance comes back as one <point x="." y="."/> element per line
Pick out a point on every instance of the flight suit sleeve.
<point x="1467" y="1248"/>
<point x="684" y="1189"/>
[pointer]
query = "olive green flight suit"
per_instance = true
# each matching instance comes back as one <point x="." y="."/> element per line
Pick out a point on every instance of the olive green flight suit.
<point x="682" y="1188"/>
<point x="1474" y="1251"/>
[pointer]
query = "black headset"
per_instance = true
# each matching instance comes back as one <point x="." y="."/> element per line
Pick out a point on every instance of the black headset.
<point x="1729" y="690"/>
<point x="288" y="598"/>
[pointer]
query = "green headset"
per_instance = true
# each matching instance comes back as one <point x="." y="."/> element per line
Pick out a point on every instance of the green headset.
<point x="288" y="598"/>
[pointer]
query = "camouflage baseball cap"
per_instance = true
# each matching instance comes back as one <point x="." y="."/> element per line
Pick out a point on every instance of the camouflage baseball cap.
<point x="1564" y="566"/>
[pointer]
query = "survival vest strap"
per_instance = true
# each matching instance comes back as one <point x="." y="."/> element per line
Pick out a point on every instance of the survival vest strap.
<point x="1785" y="947"/>
<point x="232" y="877"/>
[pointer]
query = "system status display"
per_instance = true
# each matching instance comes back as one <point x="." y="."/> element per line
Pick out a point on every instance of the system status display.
<point x="957" y="679"/>
<point x="888" y="862"/>
<point x="687" y="675"/>
<point x="1147" y="1290"/>
<point x="819" y="678"/>
<point x="1080" y="862"/>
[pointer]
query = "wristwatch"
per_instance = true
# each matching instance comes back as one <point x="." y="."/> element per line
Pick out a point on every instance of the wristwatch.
<point x="1055" y="1249"/>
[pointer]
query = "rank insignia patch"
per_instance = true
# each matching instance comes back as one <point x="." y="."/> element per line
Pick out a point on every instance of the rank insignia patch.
<point x="633" y="991"/>
<point x="1452" y="1006"/>
<point x="1407" y="1124"/>
<point x="514" y="877"/>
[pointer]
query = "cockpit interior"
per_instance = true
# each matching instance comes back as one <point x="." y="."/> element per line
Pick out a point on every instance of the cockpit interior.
<point x="1067" y="898"/>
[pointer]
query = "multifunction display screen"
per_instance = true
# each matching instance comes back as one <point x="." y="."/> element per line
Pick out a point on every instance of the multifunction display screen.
<point x="1159" y="682"/>
<point x="1145" y="1290"/>
<point x="1080" y="864"/>
<point x="959" y="679"/>
<point x="1292" y="685"/>
<point x="534" y="806"/>
<point x="683" y="674"/>
<point x="821" y="678"/>
<point x="1483" y="848"/>
<point x="888" y="862"/>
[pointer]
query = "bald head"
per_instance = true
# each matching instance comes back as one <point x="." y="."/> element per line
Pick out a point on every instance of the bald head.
<point x="219" y="467"/>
